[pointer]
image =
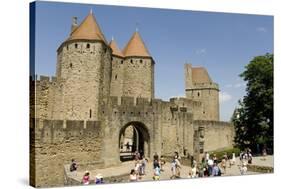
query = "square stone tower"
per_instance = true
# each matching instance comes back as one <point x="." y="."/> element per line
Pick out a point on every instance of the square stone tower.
<point x="199" y="86"/>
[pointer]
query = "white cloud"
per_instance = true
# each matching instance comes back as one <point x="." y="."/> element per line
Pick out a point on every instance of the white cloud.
<point x="201" y="51"/>
<point x="224" y="97"/>
<point x="178" y="96"/>
<point x="261" y="29"/>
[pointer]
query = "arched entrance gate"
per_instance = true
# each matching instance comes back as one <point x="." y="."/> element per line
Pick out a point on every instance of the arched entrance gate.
<point x="133" y="136"/>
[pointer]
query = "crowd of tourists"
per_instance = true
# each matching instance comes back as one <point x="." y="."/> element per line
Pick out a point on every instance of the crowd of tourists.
<point x="209" y="166"/>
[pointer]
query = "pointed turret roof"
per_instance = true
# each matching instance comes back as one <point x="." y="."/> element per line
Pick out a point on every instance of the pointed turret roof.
<point x="115" y="49"/>
<point x="136" y="47"/>
<point x="88" y="29"/>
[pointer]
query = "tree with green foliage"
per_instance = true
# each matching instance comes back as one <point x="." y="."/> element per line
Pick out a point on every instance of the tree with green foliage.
<point x="253" y="119"/>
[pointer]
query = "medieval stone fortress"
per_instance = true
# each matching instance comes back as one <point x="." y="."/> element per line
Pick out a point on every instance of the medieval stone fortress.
<point x="99" y="91"/>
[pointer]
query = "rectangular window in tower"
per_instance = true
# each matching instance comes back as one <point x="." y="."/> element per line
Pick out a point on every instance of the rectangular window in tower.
<point x="90" y="113"/>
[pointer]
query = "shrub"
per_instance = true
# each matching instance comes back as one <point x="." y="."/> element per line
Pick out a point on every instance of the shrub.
<point x="228" y="152"/>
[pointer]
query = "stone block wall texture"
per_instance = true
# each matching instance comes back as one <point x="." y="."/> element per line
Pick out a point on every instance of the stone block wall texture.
<point x="207" y="93"/>
<point x="84" y="71"/>
<point x="216" y="134"/>
<point x="117" y="79"/>
<point x="53" y="146"/>
<point x="138" y="77"/>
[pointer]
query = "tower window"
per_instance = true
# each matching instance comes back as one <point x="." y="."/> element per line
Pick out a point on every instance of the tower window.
<point x="88" y="46"/>
<point x="76" y="45"/>
<point x="115" y="76"/>
<point x="131" y="61"/>
<point x="140" y="60"/>
<point x="90" y="113"/>
<point x="67" y="47"/>
<point x="121" y="61"/>
<point x="198" y="94"/>
<point x="70" y="65"/>
<point x="105" y="50"/>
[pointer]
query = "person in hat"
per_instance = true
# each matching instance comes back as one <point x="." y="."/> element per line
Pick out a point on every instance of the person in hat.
<point x="99" y="179"/>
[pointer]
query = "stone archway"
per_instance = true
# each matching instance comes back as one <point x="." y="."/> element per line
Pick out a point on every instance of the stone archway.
<point x="133" y="136"/>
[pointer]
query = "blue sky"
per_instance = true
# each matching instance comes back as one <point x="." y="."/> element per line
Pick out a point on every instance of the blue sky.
<point x="221" y="42"/>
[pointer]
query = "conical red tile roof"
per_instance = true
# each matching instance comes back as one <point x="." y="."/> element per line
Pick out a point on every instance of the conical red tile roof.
<point x="88" y="29"/>
<point x="136" y="47"/>
<point x="115" y="49"/>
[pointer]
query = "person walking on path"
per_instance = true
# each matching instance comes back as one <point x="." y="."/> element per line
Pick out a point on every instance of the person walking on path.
<point x="157" y="173"/>
<point x="210" y="164"/>
<point x="233" y="160"/>
<point x="162" y="163"/>
<point x="143" y="166"/>
<point x="173" y="169"/>
<point x="243" y="169"/>
<point x="178" y="167"/>
<point x="223" y="164"/>
<point x="216" y="170"/>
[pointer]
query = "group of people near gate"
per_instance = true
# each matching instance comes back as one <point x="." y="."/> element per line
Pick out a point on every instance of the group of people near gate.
<point x="209" y="166"/>
<point x="158" y="167"/>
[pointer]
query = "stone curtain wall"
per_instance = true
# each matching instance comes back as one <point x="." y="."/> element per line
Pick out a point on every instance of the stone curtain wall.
<point x="53" y="146"/>
<point x="216" y="134"/>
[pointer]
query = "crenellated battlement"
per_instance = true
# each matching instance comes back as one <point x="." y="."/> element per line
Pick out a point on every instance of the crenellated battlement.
<point x="145" y="106"/>
<point x="53" y="131"/>
<point x="185" y="102"/>
<point x="43" y="78"/>
<point x="200" y="86"/>
<point x="211" y="123"/>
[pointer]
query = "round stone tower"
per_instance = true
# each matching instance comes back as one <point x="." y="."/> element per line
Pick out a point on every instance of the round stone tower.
<point x="117" y="79"/>
<point x="138" y="69"/>
<point x="83" y="71"/>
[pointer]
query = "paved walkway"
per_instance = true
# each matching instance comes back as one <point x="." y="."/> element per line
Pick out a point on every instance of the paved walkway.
<point x="125" y="167"/>
<point x="235" y="169"/>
